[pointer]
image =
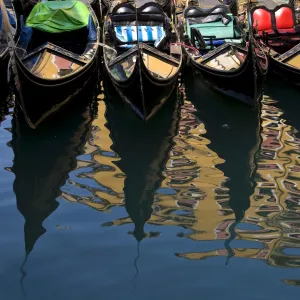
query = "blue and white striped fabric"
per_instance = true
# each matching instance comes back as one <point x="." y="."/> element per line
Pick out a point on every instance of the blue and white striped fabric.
<point x="127" y="34"/>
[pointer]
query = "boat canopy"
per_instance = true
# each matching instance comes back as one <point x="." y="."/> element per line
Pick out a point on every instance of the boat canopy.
<point x="10" y="17"/>
<point x="58" y="16"/>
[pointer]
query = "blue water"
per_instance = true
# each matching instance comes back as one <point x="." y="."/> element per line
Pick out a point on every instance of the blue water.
<point x="202" y="202"/>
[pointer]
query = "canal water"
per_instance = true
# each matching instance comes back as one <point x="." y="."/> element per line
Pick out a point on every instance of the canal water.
<point x="202" y="202"/>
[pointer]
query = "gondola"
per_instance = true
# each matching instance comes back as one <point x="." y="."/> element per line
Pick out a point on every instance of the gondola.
<point x="4" y="49"/>
<point x="218" y="49"/>
<point x="55" y="57"/>
<point x="144" y="72"/>
<point x="43" y="159"/>
<point x="279" y="36"/>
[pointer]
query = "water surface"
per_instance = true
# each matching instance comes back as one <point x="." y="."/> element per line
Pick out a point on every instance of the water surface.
<point x="202" y="201"/>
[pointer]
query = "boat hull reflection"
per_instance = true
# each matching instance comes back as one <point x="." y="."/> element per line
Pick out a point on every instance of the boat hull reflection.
<point x="143" y="149"/>
<point x="43" y="160"/>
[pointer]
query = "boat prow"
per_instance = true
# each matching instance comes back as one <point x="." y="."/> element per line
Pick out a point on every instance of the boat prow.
<point x="144" y="72"/>
<point x="144" y="78"/>
<point x="230" y="70"/>
<point x="55" y="57"/>
<point x="52" y="62"/>
<point x="216" y="46"/>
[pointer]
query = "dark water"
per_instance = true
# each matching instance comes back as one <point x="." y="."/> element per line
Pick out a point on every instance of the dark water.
<point x="202" y="202"/>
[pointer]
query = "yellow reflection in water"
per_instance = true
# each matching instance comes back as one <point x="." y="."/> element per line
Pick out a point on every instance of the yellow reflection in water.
<point x="105" y="172"/>
<point x="200" y="199"/>
<point x="274" y="209"/>
<point x="193" y="194"/>
<point x="275" y="203"/>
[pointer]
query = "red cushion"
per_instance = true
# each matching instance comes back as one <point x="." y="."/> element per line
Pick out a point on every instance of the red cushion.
<point x="284" y="18"/>
<point x="269" y="32"/>
<point x="262" y="19"/>
<point x="287" y="30"/>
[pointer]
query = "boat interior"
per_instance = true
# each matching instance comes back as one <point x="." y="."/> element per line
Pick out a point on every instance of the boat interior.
<point x="276" y="27"/>
<point x="74" y="41"/>
<point x="148" y="29"/>
<point x="52" y="55"/>
<point x="147" y="24"/>
<point x="210" y="28"/>
<point x="214" y="38"/>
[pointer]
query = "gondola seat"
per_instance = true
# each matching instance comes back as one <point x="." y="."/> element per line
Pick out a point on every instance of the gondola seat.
<point x="215" y="25"/>
<point x="195" y="11"/>
<point x="280" y="21"/>
<point x="285" y="21"/>
<point x="127" y="20"/>
<point x="125" y="12"/>
<point x="262" y="21"/>
<point x="127" y="34"/>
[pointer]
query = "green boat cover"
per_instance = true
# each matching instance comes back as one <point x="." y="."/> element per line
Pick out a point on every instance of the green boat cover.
<point x="58" y="16"/>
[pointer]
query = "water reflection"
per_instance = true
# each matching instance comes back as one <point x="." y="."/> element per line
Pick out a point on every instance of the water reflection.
<point x="263" y="170"/>
<point x="224" y="175"/>
<point x="127" y="157"/>
<point x="215" y="168"/>
<point x="43" y="160"/>
<point x="144" y="150"/>
<point x="275" y="203"/>
<point x="5" y="107"/>
<point x="209" y="169"/>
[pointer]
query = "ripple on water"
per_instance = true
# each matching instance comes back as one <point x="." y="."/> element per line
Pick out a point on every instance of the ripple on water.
<point x="197" y="192"/>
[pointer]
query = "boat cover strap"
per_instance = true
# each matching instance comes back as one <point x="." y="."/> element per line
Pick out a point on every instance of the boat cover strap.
<point x="127" y="34"/>
<point x="58" y="16"/>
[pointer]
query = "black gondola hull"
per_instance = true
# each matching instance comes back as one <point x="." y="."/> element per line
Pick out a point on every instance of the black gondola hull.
<point x="144" y="93"/>
<point x="288" y="73"/>
<point x="244" y="84"/>
<point x="39" y="99"/>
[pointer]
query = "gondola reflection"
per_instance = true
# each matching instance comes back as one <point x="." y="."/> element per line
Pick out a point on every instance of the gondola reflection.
<point x="43" y="160"/>
<point x="143" y="149"/>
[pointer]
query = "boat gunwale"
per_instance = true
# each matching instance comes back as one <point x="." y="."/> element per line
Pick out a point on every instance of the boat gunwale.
<point x="58" y="106"/>
<point x="220" y="73"/>
<point x="67" y="78"/>
<point x="49" y="82"/>
<point x="282" y="62"/>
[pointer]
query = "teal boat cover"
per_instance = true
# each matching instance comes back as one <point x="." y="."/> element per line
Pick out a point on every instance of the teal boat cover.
<point x="58" y="16"/>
